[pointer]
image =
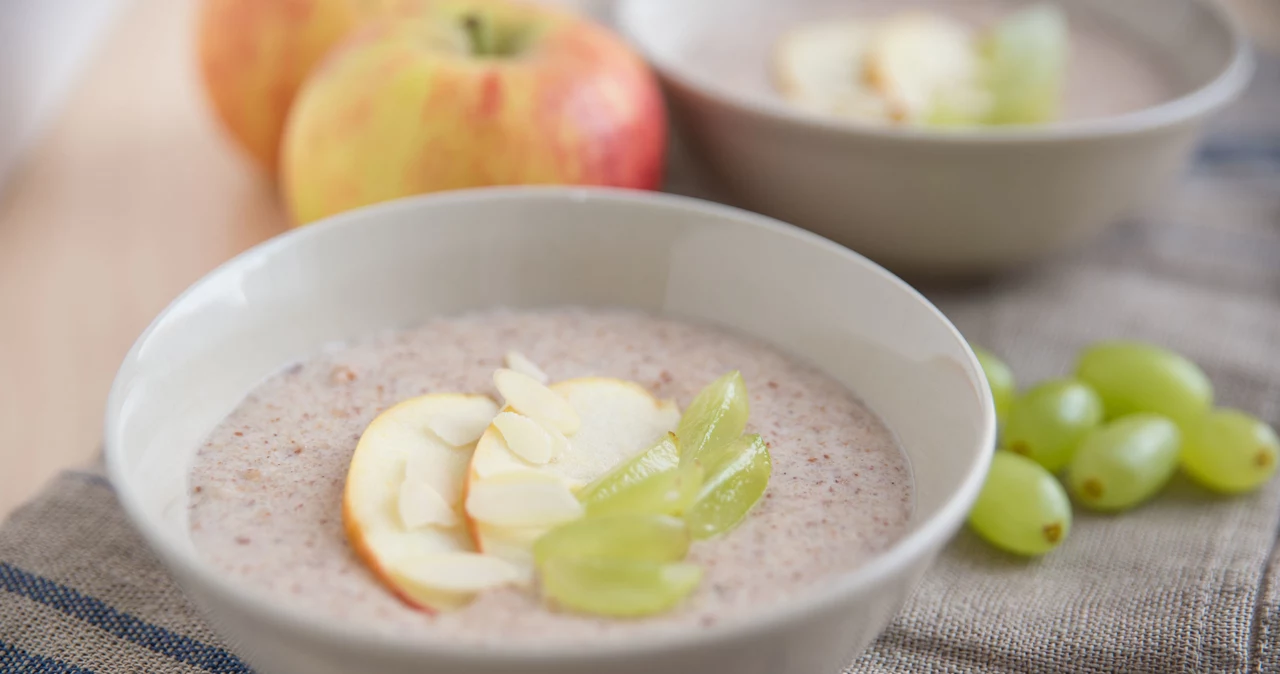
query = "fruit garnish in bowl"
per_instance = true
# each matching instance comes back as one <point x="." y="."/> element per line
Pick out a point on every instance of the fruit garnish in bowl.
<point x="924" y="68"/>
<point x="583" y="487"/>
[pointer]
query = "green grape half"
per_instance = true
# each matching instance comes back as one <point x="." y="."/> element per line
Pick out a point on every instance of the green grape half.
<point x="731" y="488"/>
<point x="1022" y="508"/>
<point x="649" y="538"/>
<point x="716" y="417"/>
<point x="1229" y="451"/>
<point x="999" y="378"/>
<point x="1137" y="377"/>
<point x="620" y="588"/>
<point x="1047" y="423"/>
<point x="667" y="493"/>
<point x="1026" y="61"/>
<point x="662" y="457"/>
<point x="1125" y="462"/>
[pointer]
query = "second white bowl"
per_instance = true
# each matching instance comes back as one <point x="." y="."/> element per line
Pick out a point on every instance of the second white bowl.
<point x="944" y="202"/>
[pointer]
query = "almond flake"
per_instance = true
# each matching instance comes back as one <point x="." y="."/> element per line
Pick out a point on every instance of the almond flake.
<point x="559" y="443"/>
<point x="535" y="400"/>
<point x="459" y="431"/>
<point x="422" y="506"/>
<point x="525" y="437"/>
<point x="458" y="572"/>
<point x="523" y="500"/>
<point x="418" y="468"/>
<point x="520" y="363"/>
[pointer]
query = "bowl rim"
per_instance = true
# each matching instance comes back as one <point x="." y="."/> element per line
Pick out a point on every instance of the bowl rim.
<point x="933" y="532"/>
<point x="1230" y="81"/>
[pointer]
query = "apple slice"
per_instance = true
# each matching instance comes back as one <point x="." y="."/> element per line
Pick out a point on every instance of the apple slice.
<point x="512" y="500"/>
<point x="819" y="67"/>
<point x="923" y="61"/>
<point x="401" y="504"/>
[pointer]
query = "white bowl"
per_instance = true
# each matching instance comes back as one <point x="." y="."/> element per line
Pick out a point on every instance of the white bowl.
<point x="940" y="202"/>
<point x="399" y="264"/>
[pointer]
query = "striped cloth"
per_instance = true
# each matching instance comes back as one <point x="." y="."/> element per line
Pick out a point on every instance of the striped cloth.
<point x="1188" y="583"/>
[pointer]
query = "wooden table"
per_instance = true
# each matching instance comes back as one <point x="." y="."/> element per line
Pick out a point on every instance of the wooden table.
<point x="133" y="195"/>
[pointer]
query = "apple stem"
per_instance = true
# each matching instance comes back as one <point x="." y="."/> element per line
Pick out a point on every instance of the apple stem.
<point x="478" y="30"/>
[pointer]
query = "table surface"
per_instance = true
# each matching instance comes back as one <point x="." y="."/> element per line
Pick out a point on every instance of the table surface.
<point x="132" y="195"/>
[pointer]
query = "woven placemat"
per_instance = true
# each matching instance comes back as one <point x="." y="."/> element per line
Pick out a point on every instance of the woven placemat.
<point x="1187" y="583"/>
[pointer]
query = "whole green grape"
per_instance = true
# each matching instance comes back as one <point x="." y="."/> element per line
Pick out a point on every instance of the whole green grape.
<point x="1229" y="451"/>
<point x="1125" y="462"/>
<point x="1136" y="377"/>
<point x="1047" y="423"/>
<point x="999" y="378"/>
<point x="1022" y="508"/>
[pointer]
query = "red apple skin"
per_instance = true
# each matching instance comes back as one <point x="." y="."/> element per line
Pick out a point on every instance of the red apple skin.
<point x="401" y="107"/>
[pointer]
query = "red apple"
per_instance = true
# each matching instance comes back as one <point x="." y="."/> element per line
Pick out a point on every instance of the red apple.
<point x="254" y="54"/>
<point x="470" y="93"/>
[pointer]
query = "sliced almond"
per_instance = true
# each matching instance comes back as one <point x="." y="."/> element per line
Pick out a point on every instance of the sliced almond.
<point x="524" y="436"/>
<point x="459" y="431"/>
<point x="424" y="470"/>
<point x="532" y="399"/>
<point x="520" y="363"/>
<point x="523" y="500"/>
<point x="421" y="506"/>
<point x="559" y="444"/>
<point x="457" y="572"/>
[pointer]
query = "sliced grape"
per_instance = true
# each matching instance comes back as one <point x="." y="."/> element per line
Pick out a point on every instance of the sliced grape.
<point x="1022" y="508"/>
<point x="716" y="417"/>
<point x="1125" y="462"/>
<point x="649" y="538"/>
<point x="617" y="587"/>
<point x="662" y="457"/>
<point x="1026" y="62"/>
<point x="1047" y="423"/>
<point x="731" y="489"/>
<point x="667" y="493"/>
<point x="1229" y="451"/>
<point x="1136" y="377"/>
<point x="999" y="378"/>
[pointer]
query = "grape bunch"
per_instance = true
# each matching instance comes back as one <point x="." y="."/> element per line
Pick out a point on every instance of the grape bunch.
<point x="624" y="558"/>
<point x="1116" y="431"/>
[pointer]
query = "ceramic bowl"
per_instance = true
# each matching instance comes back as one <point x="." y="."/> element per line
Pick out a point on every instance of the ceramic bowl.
<point x="403" y="262"/>
<point x="929" y="201"/>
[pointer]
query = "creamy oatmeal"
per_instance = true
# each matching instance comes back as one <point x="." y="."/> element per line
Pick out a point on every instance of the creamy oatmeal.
<point x="267" y="484"/>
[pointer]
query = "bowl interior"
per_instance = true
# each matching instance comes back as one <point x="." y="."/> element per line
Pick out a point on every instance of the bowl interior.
<point x="403" y="262"/>
<point x="724" y="46"/>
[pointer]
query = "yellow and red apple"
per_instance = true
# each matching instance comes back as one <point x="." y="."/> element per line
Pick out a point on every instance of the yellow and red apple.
<point x="471" y="93"/>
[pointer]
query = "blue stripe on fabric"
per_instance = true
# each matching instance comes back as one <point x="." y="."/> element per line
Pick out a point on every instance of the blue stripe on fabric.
<point x="15" y="660"/>
<point x="122" y="625"/>
<point x="1240" y="150"/>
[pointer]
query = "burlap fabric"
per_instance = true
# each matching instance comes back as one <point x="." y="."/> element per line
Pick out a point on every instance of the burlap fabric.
<point x="1188" y="583"/>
